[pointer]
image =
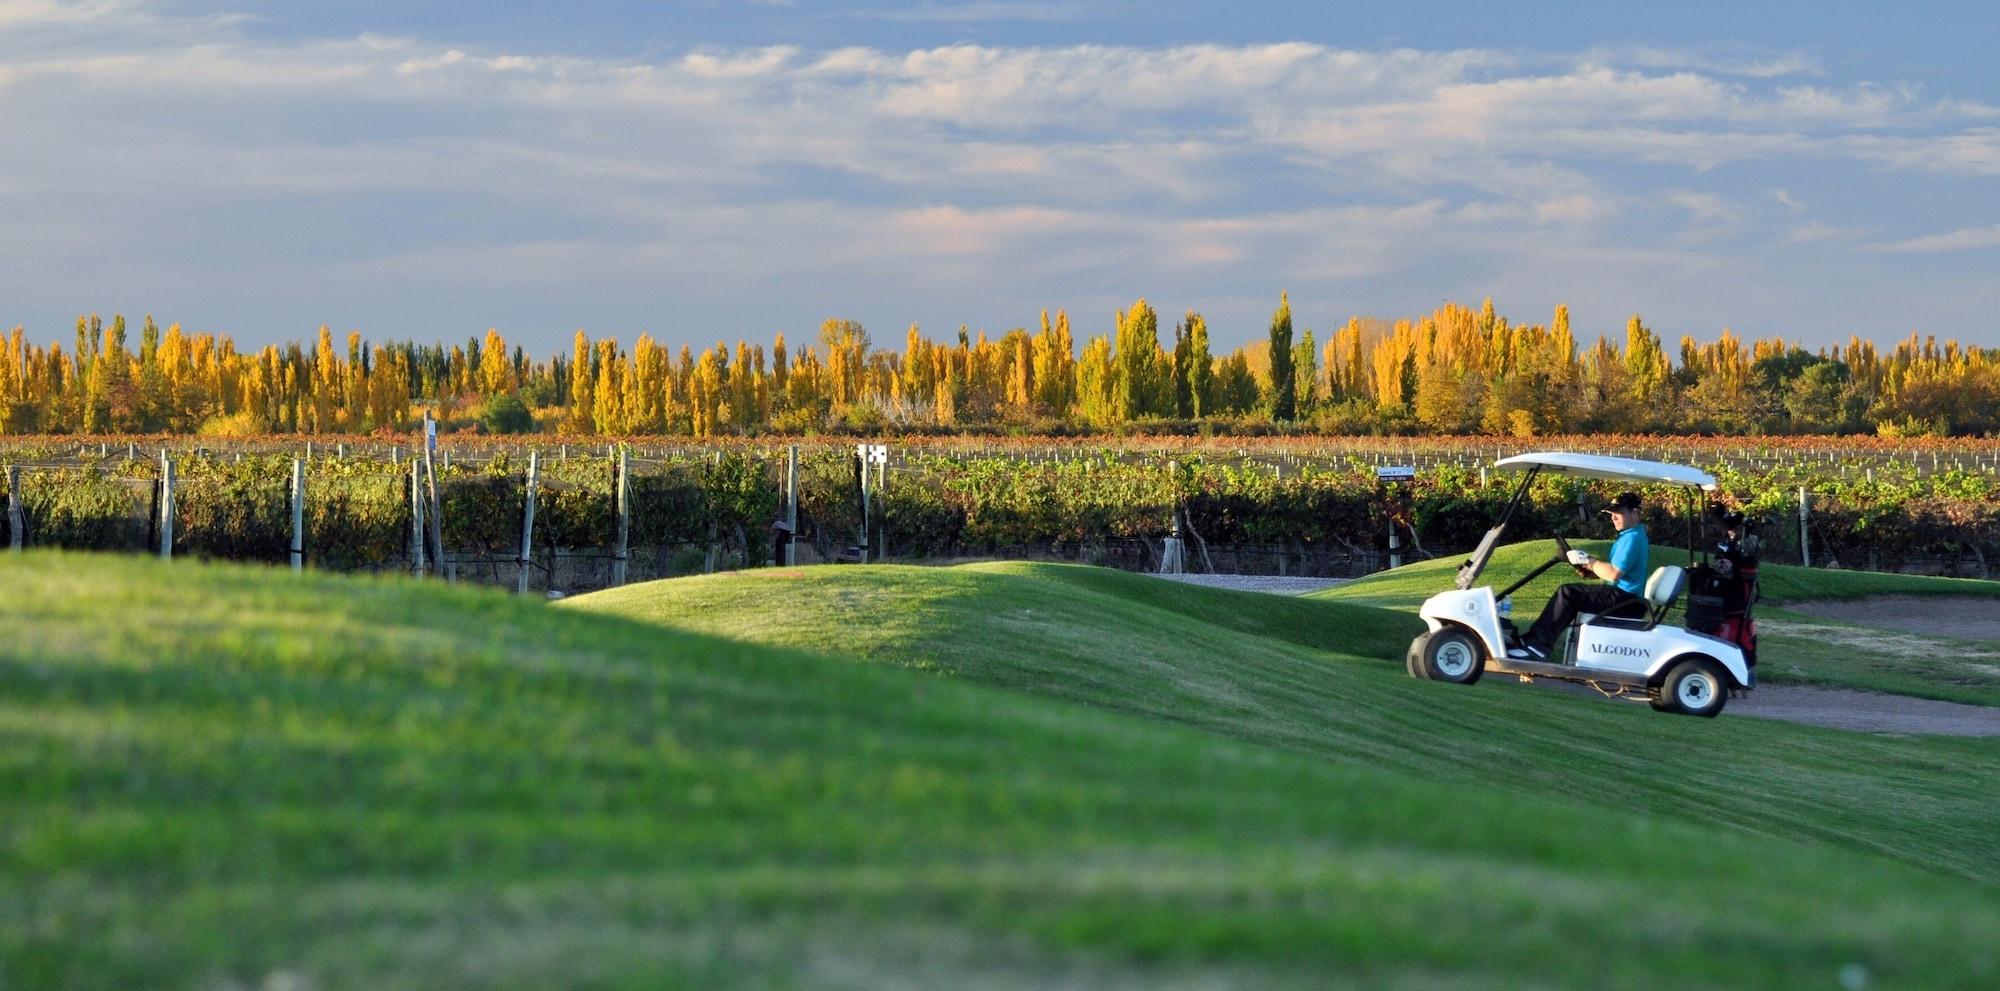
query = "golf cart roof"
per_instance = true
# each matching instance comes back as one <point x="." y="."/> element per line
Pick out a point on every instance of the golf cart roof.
<point x="1605" y="466"/>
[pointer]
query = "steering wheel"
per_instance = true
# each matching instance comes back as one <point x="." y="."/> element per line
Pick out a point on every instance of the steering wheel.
<point x="1562" y="556"/>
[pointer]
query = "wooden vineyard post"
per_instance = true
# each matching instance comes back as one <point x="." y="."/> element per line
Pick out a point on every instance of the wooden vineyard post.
<point x="621" y="495"/>
<point x="528" y="523"/>
<point x="861" y="493"/>
<point x="881" y="486"/>
<point x="166" y="506"/>
<point x="298" y="514"/>
<point x="16" y="520"/>
<point x="792" y="506"/>
<point x="417" y="517"/>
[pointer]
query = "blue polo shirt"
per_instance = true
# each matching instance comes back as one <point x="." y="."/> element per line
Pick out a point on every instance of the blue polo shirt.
<point x="1628" y="555"/>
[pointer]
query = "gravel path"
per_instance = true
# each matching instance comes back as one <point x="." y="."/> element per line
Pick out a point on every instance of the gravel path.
<point x="1260" y="583"/>
<point x="1837" y="708"/>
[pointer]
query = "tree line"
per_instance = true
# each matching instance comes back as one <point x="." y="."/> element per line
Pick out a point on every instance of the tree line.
<point x="1457" y="370"/>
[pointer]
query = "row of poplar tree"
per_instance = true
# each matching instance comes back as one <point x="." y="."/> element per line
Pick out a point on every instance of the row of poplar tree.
<point x="1457" y="370"/>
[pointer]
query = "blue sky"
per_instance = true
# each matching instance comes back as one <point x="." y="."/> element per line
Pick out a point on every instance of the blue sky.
<point x="706" y="171"/>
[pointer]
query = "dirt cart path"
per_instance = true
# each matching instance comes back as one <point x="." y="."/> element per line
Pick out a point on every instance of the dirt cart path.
<point x="1866" y="712"/>
<point x="1965" y="617"/>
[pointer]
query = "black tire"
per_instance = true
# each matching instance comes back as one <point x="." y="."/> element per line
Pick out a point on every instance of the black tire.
<point x="1695" y="687"/>
<point x="1452" y="655"/>
<point x="1411" y="657"/>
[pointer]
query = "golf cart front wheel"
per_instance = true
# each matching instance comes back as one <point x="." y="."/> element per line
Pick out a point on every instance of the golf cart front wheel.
<point x="1695" y="687"/>
<point x="1451" y="655"/>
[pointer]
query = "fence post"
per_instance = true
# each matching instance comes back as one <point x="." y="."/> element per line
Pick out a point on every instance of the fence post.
<point x="621" y="493"/>
<point x="528" y="523"/>
<point x="1395" y="546"/>
<point x="298" y="514"/>
<point x="792" y="505"/>
<point x="1805" y="545"/>
<point x="434" y="514"/>
<point x="166" y="506"/>
<point x="861" y="484"/>
<point x="417" y="517"/>
<point x="881" y="525"/>
<point x="16" y="520"/>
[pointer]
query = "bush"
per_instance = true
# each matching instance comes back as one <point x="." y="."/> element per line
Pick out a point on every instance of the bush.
<point x="506" y="415"/>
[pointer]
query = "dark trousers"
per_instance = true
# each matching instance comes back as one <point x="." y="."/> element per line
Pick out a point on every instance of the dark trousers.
<point x="1575" y="597"/>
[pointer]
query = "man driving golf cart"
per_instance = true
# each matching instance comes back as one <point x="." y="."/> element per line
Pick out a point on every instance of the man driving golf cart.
<point x="1636" y="656"/>
<point x="1620" y="593"/>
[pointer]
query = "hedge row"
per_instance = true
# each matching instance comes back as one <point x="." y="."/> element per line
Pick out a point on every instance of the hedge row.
<point x="358" y="512"/>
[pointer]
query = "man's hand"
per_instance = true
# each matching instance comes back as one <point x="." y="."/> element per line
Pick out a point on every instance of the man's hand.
<point x="1581" y="559"/>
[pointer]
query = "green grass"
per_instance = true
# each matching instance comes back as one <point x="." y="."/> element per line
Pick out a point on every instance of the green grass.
<point x="218" y="776"/>
<point x="1792" y="648"/>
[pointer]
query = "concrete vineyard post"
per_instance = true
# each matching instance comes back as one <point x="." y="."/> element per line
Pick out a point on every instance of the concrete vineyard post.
<point x="15" y="519"/>
<point x="417" y="517"/>
<point x="1805" y="547"/>
<point x="528" y="522"/>
<point x="298" y="514"/>
<point x="166" y="506"/>
<point x="621" y="494"/>
<point x="434" y="515"/>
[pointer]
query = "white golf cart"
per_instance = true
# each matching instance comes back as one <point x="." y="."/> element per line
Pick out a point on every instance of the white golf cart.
<point x="1632" y="657"/>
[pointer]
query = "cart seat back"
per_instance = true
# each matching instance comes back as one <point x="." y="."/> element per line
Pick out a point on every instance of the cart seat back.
<point x="1663" y="589"/>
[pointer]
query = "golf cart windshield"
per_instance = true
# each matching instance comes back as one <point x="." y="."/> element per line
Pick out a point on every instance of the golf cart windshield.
<point x="1586" y="465"/>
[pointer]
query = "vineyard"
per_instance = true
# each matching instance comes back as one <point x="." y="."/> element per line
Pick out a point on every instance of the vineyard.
<point x="1278" y="505"/>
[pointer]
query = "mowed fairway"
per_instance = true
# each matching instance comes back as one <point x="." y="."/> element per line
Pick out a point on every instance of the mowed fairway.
<point x="235" y="776"/>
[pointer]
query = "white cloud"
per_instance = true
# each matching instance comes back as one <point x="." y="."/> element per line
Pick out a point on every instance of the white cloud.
<point x="1007" y="166"/>
<point x="1964" y="239"/>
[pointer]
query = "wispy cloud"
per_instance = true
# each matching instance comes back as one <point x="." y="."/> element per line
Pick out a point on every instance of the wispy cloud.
<point x="1964" y="239"/>
<point x="985" y="11"/>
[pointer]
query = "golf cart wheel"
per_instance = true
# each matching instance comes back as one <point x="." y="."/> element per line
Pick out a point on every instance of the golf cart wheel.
<point x="1695" y="687"/>
<point x="1452" y="655"/>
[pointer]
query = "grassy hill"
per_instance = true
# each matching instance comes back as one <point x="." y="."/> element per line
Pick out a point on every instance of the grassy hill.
<point x="236" y="776"/>
<point x="1794" y="649"/>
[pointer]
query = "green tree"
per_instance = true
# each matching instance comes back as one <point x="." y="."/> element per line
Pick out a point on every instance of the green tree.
<point x="1140" y="385"/>
<point x="1183" y="398"/>
<point x="1305" y="371"/>
<point x="1200" y="367"/>
<point x="1235" y="386"/>
<point x="1283" y="398"/>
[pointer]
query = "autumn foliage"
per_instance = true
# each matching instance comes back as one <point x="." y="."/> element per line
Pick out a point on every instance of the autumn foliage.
<point x="1456" y="371"/>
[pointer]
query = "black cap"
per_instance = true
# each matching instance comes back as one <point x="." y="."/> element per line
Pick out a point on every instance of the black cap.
<point x="1624" y="500"/>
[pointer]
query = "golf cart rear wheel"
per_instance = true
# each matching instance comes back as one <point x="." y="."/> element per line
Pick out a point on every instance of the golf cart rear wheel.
<point x="1695" y="687"/>
<point x="1452" y="655"/>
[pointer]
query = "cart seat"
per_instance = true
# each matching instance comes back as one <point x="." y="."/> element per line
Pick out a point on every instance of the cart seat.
<point x="1663" y="589"/>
